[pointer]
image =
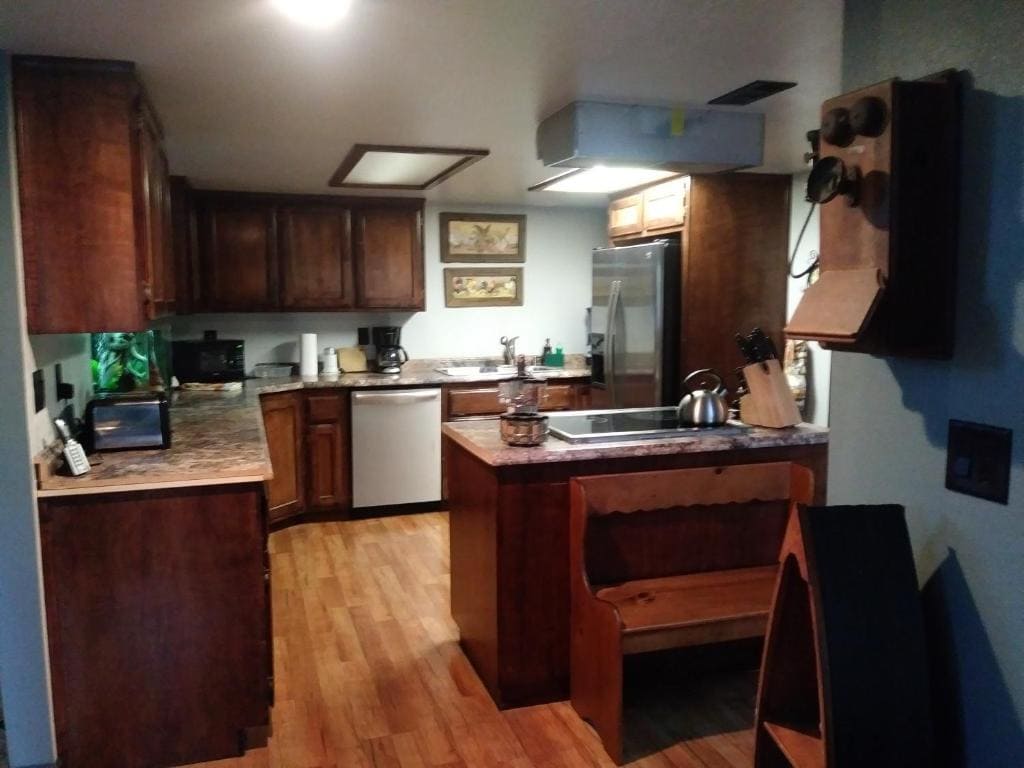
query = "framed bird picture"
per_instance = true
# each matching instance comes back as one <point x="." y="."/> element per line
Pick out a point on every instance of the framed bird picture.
<point x="479" y="238"/>
<point x="483" y="286"/>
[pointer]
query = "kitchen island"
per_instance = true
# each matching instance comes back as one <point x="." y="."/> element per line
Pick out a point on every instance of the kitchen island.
<point x="509" y="519"/>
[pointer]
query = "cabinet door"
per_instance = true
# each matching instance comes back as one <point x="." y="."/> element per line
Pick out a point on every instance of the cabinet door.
<point x="389" y="258"/>
<point x="282" y="422"/>
<point x="239" y="254"/>
<point x="326" y="477"/>
<point x="316" y="258"/>
<point x="665" y="204"/>
<point x="77" y="188"/>
<point x="626" y="216"/>
<point x="153" y="219"/>
<point x="329" y="473"/>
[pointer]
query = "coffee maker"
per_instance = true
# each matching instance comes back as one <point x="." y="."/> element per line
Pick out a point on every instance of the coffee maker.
<point x="390" y="352"/>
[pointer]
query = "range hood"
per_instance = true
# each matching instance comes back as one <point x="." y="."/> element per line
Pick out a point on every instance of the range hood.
<point x="584" y="134"/>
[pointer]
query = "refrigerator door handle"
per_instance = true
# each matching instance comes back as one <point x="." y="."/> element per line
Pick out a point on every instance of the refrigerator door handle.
<point x="610" y="343"/>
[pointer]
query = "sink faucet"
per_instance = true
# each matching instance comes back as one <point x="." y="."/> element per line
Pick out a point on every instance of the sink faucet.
<point x="510" y="349"/>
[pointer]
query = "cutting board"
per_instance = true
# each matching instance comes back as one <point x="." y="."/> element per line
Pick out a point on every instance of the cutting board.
<point x="351" y="359"/>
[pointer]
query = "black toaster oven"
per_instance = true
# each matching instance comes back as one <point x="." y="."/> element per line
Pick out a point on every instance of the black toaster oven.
<point x="208" y="360"/>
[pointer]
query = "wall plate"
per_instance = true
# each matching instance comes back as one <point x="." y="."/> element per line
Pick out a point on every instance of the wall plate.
<point x="39" y="389"/>
<point x="978" y="460"/>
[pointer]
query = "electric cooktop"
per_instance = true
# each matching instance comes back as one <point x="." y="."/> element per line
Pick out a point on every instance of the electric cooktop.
<point x="627" y="424"/>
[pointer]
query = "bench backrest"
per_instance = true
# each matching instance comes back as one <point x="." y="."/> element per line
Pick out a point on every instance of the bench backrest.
<point x="652" y="524"/>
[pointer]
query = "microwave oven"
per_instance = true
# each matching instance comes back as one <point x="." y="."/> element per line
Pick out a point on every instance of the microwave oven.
<point x="208" y="360"/>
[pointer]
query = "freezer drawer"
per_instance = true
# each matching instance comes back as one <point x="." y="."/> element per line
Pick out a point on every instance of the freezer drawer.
<point x="396" y="447"/>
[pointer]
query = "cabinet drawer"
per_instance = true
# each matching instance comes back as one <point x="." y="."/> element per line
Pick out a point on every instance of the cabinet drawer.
<point x="559" y="397"/>
<point x="479" y="401"/>
<point x="323" y="408"/>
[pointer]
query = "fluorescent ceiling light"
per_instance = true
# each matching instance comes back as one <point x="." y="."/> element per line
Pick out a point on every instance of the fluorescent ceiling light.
<point x="387" y="167"/>
<point x="602" y="179"/>
<point x="313" y="13"/>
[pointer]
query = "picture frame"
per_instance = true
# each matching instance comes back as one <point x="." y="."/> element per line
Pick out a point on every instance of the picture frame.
<point x="483" y="238"/>
<point x="483" y="286"/>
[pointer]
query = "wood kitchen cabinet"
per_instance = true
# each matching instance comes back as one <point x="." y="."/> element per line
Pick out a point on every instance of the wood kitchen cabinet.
<point x="308" y="441"/>
<point x="93" y="196"/>
<point x="733" y="233"/>
<point x="158" y="624"/>
<point x="263" y="252"/>
<point x="316" y="257"/>
<point x="389" y="257"/>
<point x="626" y="216"/>
<point x="284" y="427"/>
<point x="474" y="401"/>
<point x="238" y="254"/>
<point x="329" y="466"/>
<point x="155" y="230"/>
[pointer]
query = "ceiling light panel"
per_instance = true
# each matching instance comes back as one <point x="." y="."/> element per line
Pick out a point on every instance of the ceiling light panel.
<point x="603" y="179"/>
<point x="390" y="167"/>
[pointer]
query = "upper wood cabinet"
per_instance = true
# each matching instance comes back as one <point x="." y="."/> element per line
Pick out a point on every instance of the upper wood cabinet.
<point x="389" y="258"/>
<point x="309" y="252"/>
<point x="92" y="181"/>
<point x="316" y="257"/>
<point x="626" y="216"/>
<point x="153" y="217"/>
<point x="665" y="204"/>
<point x="238" y="249"/>
<point x="654" y="209"/>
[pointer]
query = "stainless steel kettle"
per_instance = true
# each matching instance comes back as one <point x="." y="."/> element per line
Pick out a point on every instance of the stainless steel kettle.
<point x="706" y="406"/>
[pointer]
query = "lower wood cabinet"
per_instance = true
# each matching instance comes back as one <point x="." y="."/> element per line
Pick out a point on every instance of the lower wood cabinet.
<point x="328" y="471"/>
<point x="158" y="623"/>
<point x="283" y="424"/>
<point x="308" y="441"/>
<point x="474" y="401"/>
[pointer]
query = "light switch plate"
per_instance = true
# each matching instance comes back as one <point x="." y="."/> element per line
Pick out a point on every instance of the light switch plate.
<point x="978" y="460"/>
<point x="39" y="389"/>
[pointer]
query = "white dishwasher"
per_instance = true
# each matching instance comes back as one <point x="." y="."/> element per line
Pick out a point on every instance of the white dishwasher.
<point x="396" y="447"/>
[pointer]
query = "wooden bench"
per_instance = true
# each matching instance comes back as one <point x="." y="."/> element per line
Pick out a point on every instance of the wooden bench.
<point x="670" y="559"/>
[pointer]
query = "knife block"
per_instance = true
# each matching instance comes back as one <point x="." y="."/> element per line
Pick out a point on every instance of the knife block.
<point x="770" y="402"/>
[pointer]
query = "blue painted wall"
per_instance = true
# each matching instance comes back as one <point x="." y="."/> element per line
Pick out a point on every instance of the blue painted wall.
<point x="890" y="417"/>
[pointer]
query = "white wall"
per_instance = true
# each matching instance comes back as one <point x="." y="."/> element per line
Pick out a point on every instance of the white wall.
<point x="819" y="369"/>
<point x="890" y="416"/>
<point x="24" y="671"/>
<point x="556" y="294"/>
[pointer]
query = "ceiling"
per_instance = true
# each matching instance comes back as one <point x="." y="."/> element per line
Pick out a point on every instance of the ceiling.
<point x="250" y="100"/>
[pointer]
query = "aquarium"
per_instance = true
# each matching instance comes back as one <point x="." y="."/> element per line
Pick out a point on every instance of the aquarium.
<point x="122" y="362"/>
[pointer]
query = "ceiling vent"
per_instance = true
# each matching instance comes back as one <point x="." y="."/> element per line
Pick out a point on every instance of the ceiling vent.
<point x="751" y="92"/>
<point x="686" y="140"/>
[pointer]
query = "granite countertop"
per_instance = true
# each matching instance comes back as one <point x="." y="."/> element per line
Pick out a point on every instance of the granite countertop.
<point x="217" y="438"/>
<point x="482" y="439"/>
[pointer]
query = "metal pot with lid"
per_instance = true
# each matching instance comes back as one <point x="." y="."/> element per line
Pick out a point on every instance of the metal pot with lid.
<point x="705" y="403"/>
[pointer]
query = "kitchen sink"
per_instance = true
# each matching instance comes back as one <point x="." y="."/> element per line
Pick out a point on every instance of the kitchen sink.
<point x="495" y="371"/>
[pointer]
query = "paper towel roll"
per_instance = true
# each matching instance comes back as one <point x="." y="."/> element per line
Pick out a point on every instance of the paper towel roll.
<point x="308" y="355"/>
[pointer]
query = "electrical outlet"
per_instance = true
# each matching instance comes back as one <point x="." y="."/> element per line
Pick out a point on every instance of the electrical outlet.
<point x="978" y="460"/>
<point x="39" y="389"/>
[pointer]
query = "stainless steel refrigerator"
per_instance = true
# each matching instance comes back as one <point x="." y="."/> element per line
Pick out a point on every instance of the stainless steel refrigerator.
<point x="634" y="325"/>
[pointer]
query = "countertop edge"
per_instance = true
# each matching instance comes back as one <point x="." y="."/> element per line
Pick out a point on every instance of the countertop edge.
<point x="512" y="456"/>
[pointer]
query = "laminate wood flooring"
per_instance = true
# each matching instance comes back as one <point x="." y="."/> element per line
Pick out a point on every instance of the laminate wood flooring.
<point x="369" y="672"/>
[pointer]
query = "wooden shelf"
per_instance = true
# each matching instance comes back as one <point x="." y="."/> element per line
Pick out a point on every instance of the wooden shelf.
<point x="802" y="745"/>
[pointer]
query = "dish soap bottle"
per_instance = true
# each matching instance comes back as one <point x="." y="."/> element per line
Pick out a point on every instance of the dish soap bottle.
<point x="546" y="352"/>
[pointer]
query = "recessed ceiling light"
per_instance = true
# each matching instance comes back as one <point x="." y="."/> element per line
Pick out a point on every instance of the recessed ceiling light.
<point x="388" y="167"/>
<point x="313" y="13"/>
<point x="602" y="179"/>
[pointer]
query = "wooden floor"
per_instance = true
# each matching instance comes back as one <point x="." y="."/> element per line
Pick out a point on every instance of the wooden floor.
<point x="369" y="672"/>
